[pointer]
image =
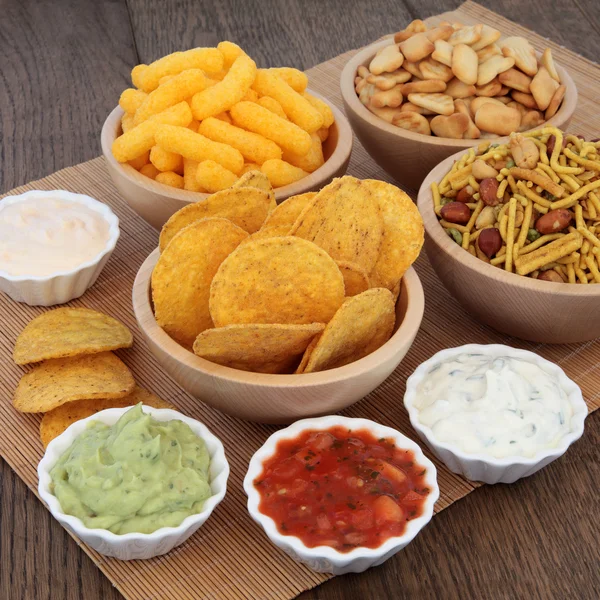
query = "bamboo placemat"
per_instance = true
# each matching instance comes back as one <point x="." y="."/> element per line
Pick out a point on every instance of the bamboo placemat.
<point x="230" y="557"/>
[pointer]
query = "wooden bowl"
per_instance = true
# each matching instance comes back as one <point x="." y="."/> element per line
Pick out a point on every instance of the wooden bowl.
<point x="539" y="311"/>
<point x="156" y="202"/>
<point x="405" y="155"/>
<point x="278" y="398"/>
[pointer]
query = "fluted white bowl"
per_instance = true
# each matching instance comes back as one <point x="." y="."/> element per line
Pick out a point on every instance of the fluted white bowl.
<point x="133" y="546"/>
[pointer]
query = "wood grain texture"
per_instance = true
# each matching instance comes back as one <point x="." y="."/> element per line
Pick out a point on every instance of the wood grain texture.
<point x="534" y="539"/>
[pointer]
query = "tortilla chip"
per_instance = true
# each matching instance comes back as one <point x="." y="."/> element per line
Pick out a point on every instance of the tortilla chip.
<point x="277" y="280"/>
<point x="257" y="179"/>
<point x="403" y="233"/>
<point x="57" y="420"/>
<point x="345" y="220"/>
<point x="183" y="274"/>
<point x="289" y="210"/>
<point x="396" y="291"/>
<point x="261" y="348"/>
<point x="361" y="325"/>
<point x="60" y="380"/>
<point x="356" y="280"/>
<point x="307" y="354"/>
<point x="69" y="332"/>
<point x="268" y="232"/>
<point x="245" y="207"/>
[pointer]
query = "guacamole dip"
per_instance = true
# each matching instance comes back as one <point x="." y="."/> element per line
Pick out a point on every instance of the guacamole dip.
<point x="137" y="475"/>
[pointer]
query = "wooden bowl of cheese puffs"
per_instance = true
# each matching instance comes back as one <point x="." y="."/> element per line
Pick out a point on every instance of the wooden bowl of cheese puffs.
<point x="196" y="121"/>
<point x="512" y="231"/>
<point x="417" y="97"/>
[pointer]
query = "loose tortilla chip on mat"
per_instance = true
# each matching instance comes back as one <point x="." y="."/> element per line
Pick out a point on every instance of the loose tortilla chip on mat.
<point x="245" y="207"/>
<point x="289" y="210"/>
<point x="356" y="280"/>
<point x="403" y="233"/>
<point x="262" y="348"/>
<point x="361" y="325"/>
<point x="57" y="420"/>
<point x="307" y="354"/>
<point x="69" y="332"/>
<point x="277" y="280"/>
<point x="345" y="220"/>
<point x="60" y="380"/>
<point x="183" y="274"/>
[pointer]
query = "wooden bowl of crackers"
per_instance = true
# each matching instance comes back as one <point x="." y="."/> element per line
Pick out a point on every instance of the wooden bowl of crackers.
<point x="522" y="306"/>
<point x="398" y="133"/>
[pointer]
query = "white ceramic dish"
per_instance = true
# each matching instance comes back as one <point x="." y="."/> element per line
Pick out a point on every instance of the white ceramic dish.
<point x="62" y="286"/>
<point x="483" y="467"/>
<point x="325" y="559"/>
<point x="132" y="546"/>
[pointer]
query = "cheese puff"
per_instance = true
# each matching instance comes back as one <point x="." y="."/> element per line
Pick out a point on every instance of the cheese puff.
<point x="190" y="183"/>
<point x="251" y="96"/>
<point x="224" y="116"/>
<point x="140" y="161"/>
<point x="281" y="173"/>
<point x="323" y="133"/>
<point x="170" y="178"/>
<point x="131" y="99"/>
<point x="296" y="79"/>
<point x="127" y="122"/>
<point x="254" y="147"/>
<point x="140" y="139"/>
<point x="310" y="161"/>
<point x="213" y="177"/>
<point x="165" y="79"/>
<point x="137" y="73"/>
<point x="198" y="147"/>
<point x="149" y="170"/>
<point x="164" y="160"/>
<point x="210" y="60"/>
<point x="272" y="105"/>
<point x="251" y="116"/>
<point x="297" y="108"/>
<point x="194" y="125"/>
<point x="249" y="167"/>
<point x="230" y="52"/>
<point x="176" y="90"/>
<point x="226" y="93"/>
<point x="322" y="107"/>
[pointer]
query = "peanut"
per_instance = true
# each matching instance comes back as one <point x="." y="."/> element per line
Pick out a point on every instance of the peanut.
<point x="486" y="218"/>
<point x="490" y="241"/>
<point x="481" y="170"/>
<point x="553" y="221"/>
<point x="465" y="194"/>
<point x="550" y="275"/>
<point x="524" y="151"/>
<point x="552" y="141"/>
<point x="488" y="189"/>
<point x="456" y="212"/>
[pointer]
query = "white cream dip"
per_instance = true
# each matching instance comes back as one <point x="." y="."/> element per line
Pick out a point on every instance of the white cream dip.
<point x="44" y="236"/>
<point x="499" y="406"/>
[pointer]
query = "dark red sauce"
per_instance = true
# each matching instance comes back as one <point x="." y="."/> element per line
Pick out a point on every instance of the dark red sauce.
<point x="341" y="488"/>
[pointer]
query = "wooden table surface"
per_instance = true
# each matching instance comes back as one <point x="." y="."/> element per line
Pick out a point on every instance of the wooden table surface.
<point x="64" y="64"/>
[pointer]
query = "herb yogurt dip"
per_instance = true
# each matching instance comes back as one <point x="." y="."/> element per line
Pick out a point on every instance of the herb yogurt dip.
<point x="499" y="406"/>
<point x="137" y="475"/>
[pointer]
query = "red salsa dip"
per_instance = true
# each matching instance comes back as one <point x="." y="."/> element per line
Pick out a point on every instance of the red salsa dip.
<point x="341" y="488"/>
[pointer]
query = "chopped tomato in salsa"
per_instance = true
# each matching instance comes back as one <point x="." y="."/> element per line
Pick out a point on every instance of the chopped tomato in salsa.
<point x="341" y="488"/>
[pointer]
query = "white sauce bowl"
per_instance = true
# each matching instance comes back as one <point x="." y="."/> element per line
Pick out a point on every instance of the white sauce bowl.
<point x="134" y="546"/>
<point x="62" y="286"/>
<point x="484" y="467"/>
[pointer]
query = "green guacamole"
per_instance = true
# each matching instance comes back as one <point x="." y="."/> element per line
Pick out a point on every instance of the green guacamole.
<point x="137" y="475"/>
